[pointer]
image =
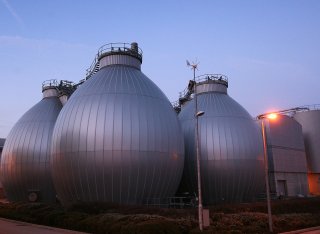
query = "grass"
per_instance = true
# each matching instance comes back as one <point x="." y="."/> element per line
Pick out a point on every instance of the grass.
<point x="110" y="218"/>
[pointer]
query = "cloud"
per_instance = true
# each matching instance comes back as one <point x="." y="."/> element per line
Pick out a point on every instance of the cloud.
<point x="13" y="13"/>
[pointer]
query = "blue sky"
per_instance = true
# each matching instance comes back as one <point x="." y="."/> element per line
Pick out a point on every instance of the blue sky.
<point x="270" y="50"/>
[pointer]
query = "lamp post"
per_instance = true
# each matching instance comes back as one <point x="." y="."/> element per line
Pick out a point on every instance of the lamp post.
<point x="197" y="114"/>
<point x="272" y="116"/>
<point x="266" y="166"/>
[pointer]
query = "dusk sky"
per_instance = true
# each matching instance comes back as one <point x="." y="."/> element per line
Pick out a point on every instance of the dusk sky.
<point x="270" y="50"/>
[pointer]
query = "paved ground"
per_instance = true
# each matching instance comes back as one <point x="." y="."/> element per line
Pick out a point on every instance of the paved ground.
<point x="313" y="230"/>
<point x="15" y="227"/>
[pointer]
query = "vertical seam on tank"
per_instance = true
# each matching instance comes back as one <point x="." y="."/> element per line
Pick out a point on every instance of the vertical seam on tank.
<point x="16" y="175"/>
<point x="130" y="148"/>
<point x="25" y="156"/>
<point x="45" y="130"/>
<point x="164" y="154"/>
<point x="103" y="80"/>
<point x="88" y="158"/>
<point x="144" y="152"/>
<point x="121" y="147"/>
<point x="220" y="158"/>
<point x="79" y="153"/>
<point x="100" y="82"/>
<point x="107" y="77"/>
<point x="16" y="188"/>
<point x="138" y="151"/>
<point x="227" y="155"/>
<point x="31" y="153"/>
<point x="41" y="180"/>
<point x="154" y="155"/>
<point x="157" y="120"/>
<point x="71" y="143"/>
<point x="76" y="151"/>
<point x="54" y="155"/>
<point x="240" y="192"/>
<point x="211" y="161"/>
<point x="112" y="144"/>
<point x="54" y="113"/>
<point x="166" y="185"/>
<point x="60" y="176"/>
<point x="95" y="150"/>
<point x="67" y="118"/>
<point x="233" y="176"/>
<point x="245" y="173"/>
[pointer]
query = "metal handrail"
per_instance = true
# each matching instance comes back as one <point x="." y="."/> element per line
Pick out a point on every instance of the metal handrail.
<point x="113" y="48"/>
<point x="49" y="83"/>
<point x="310" y="107"/>
<point x="203" y="78"/>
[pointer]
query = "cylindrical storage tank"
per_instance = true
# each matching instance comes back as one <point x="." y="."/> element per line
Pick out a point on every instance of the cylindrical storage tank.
<point x="25" y="170"/>
<point x="310" y="122"/>
<point x="231" y="156"/>
<point x="118" y="138"/>
<point x="286" y="157"/>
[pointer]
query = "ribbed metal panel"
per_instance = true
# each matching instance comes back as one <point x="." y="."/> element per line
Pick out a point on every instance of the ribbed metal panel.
<point x="287" y="157"/>
<point x="211" y="87"/>
<point x="118" y="59"/>
<point x="117" y="139"/>
<point x="310" y="122"/>
<point x="230" y="146"/>
<point x="25" y="157"/>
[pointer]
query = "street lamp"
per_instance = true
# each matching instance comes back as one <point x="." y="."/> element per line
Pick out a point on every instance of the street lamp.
<point x="270" y="116"/>
<point x="197" y="114"/>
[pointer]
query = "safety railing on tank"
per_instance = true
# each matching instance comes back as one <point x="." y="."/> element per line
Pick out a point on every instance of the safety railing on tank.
<point x="49" y="84"/>
<point x="66" y="87"/>
<point x="116" y="48"/>
<point x="187" y="93"/>
<point x="310" y="107"/>
<point x="205" y="78"/>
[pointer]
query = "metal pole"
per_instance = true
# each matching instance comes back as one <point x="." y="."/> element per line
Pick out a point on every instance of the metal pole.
<point x="198" y="153"/>
<point x="266" y="173"/>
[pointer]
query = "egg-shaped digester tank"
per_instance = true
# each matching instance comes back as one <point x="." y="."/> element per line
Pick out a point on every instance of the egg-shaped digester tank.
<point x="230" y="144"/>
<point x="25" y="168"/>
<point x="118" y="138"/>
<point x="310" y="122"/>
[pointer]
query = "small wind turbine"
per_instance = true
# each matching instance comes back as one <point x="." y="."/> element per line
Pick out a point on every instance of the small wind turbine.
<point x="193" y="65"/>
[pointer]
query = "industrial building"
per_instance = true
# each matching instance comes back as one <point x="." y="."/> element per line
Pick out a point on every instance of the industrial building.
<point x="117" y="139"/>
<point x="231" y="155"/>
<point x="286" y="157"/>
<point x="310" y="122"/>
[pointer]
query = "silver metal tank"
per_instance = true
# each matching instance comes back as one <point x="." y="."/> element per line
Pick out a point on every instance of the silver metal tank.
<point x="310" y="122"/>
<point x="25" y="171"/>
<point x="117" y="139"/>
<point x="231" y="156"/>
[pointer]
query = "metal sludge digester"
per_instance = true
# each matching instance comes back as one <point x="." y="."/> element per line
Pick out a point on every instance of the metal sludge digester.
<point x="118" y="138"/>
<point x="231" y="156"/>
<point x="25" y="169"/>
